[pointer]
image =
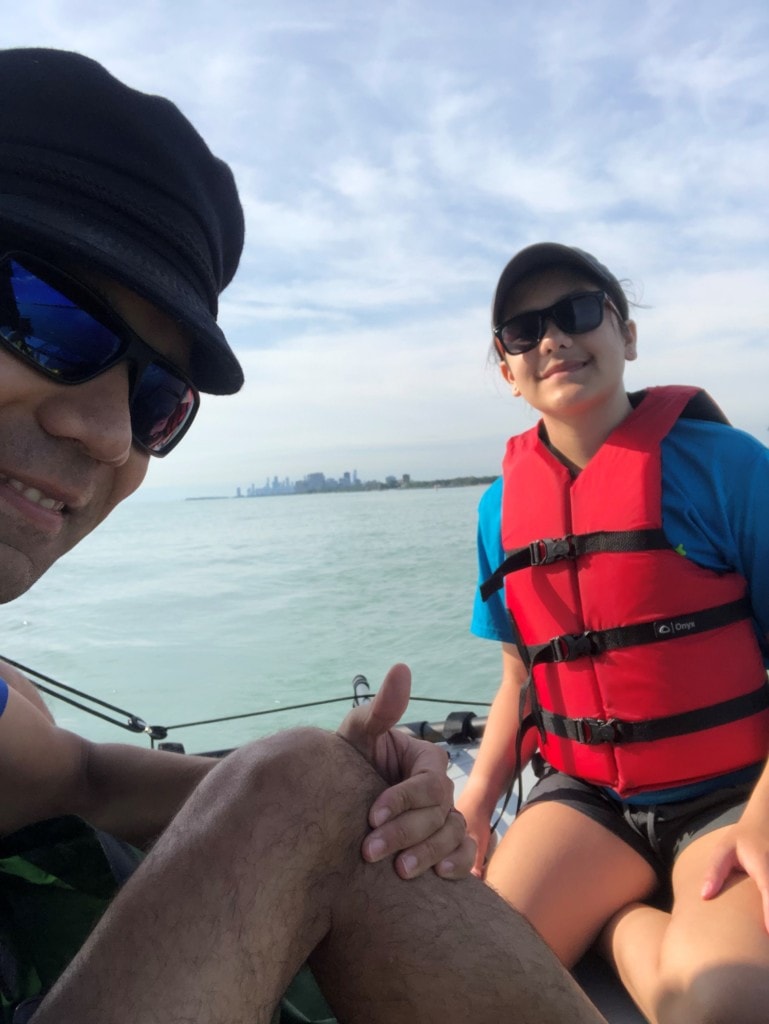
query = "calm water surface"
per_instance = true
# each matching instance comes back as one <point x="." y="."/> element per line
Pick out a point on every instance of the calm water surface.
<point x="179" y="611"/>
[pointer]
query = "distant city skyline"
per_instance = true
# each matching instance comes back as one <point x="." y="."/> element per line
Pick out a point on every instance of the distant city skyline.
<point x="315" y="482"/>
<point x="319" y="483"/>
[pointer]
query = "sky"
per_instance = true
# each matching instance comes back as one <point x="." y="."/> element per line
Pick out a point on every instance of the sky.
<point x="392" y="156"/>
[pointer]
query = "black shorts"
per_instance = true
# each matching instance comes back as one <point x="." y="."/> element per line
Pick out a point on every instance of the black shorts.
<point x="25" y="1010"/>
<point x="658" y="832"/>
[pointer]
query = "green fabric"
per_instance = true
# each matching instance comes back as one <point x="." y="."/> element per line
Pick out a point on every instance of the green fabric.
<point x="55" y="883"/>
<point x="303" y="1002"/>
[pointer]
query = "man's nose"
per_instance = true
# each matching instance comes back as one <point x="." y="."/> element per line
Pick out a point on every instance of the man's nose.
<point x="96" y="414"/>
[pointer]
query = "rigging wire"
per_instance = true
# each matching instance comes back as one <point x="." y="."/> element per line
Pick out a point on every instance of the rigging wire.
<point x="136" y="724"/>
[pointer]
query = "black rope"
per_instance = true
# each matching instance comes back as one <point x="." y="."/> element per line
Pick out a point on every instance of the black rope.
<point x="308" y="704"/>
<point x="64" y="686"/>
<point x="256" y="714"/>
<point x="452" y="701"/>
<point x="136" y="724"/>
<point x="132" y="723"/>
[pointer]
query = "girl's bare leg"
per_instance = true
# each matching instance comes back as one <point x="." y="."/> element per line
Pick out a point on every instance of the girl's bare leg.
<point x="705" y="963"/>
<point x="568" y="875"/>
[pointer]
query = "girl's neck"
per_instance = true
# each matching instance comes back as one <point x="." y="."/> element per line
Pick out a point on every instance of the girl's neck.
<point x="576" y="440"/>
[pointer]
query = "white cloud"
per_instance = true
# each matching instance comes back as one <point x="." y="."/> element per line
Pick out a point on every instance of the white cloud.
<point x="392" y="159"/>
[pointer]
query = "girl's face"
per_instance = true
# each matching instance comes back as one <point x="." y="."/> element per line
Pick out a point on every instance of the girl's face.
<point x="567" y="376"/>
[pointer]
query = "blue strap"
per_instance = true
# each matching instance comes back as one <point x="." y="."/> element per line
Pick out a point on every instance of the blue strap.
<point x="3" y="694"/>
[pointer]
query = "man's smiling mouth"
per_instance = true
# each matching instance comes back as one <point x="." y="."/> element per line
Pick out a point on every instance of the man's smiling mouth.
<point x="33" y="494"/>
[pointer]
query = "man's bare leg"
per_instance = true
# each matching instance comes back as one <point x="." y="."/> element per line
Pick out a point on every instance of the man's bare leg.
<point x="262" y="867"/>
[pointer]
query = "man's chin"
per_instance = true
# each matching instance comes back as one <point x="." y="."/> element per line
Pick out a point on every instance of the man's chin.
<point x="17" y="574"/>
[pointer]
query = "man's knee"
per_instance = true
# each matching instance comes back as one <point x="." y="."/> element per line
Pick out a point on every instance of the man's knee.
<point x="301" y="761"/>
<point x="308" y="775"/>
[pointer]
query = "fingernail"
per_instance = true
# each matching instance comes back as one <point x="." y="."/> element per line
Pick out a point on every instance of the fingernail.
<point x="381" y="815"/>
<point x="446" y="867"/>
<point x="409" y="863"/>
<point x="375" y="849"/>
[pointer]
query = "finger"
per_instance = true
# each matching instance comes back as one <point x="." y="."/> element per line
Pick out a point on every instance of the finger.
<point x="444" y="844"/>
<point x="370" y="720"/>
<point x="460" y="863"/>
<point x="391" y="700"/>
<point x="722" y="865"/>
<point x="427" y="786"/>
<point x="760" y="878"/>
<point x="408" y="832"/>
<point x="756" y="865"/>
<point x="485" y="845"/>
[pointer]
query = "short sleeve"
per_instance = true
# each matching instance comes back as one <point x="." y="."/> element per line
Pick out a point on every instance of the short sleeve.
<point x="490" y="618"/>
<point x="715" y="490"/>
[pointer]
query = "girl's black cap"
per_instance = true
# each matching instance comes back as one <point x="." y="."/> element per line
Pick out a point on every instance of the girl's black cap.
<point x="550" y="254"/>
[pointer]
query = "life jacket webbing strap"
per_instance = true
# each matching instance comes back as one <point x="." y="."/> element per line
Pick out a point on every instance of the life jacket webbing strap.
<point x="526" y="722"/>
<point x="592" y="642"/>
<point x="555" y="549"/>
<point x="592" y="731"/>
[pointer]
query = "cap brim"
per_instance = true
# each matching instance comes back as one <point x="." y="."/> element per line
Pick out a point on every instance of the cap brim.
<point x="535" y="257"/>
<point x="547" y="254"/>
<point x="59" y="231"/>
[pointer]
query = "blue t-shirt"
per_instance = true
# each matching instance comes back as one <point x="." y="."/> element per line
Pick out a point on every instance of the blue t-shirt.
<point x="715" y="495"/>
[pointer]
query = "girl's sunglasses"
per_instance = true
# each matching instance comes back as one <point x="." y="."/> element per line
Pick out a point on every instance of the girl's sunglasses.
<point x="71" y="335"/>
<point x="575" y="314"/>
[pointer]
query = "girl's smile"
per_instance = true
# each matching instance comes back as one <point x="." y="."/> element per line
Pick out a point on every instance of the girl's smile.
<point x="574" y="380"/>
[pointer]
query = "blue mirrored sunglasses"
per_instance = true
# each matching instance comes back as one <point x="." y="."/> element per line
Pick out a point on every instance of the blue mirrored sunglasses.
<point x="67" y="332"/>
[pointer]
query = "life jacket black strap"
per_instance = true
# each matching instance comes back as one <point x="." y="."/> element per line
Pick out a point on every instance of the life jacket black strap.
<point x="592" y="642"/>
<point x="592" y="731"/>
<point x="555" y="549"/>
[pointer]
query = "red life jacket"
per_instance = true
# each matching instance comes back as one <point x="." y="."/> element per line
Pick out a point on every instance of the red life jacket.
<point x="645" y="667"/>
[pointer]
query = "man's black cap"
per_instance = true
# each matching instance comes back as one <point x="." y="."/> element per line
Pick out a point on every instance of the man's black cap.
<point x="97" y="173"/>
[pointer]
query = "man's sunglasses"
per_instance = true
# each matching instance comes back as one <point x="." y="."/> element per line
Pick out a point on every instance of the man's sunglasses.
<point x="66" y="331"/>
<point x="574" y="314"/>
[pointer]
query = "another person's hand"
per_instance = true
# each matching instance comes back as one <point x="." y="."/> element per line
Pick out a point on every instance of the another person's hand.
<point x="415" y="818"/>
<point x="743" y="847"/>
<point x="479" y="829"/>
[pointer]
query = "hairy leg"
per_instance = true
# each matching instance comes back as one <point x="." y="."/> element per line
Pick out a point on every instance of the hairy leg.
<point x="568" y="875"/>
<point x="261" y="867"/>
<point x="707" y="961"/>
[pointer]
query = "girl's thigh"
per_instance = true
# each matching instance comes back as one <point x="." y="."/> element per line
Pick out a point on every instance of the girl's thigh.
<point x="568" y="875"/>
<point x="710" y="935"/>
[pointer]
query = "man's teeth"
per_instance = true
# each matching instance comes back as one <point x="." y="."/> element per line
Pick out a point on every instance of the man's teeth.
<point x="33" y="494"/>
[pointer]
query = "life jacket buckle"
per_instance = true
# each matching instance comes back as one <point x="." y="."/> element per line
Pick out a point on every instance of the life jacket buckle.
<point x="592" y="731"/>
<point x="552" y="549"/>
<point x="569" y="646"/>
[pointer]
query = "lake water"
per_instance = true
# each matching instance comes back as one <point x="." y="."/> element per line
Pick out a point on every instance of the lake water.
<point x="190" y="610"/>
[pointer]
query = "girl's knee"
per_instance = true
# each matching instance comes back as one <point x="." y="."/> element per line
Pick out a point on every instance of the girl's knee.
<point x="728" y="994"/>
